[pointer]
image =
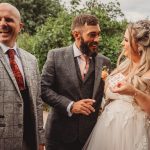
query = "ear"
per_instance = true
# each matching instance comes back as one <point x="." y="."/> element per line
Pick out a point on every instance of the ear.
<point x="76" y="34"/>
<point x="21" y="26"/>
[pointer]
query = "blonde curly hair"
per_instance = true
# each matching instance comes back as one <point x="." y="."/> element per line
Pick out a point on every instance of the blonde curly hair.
<point x="139" y="32"/>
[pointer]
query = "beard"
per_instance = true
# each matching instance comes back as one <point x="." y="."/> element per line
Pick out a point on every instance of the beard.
<point x="85" y="48"/>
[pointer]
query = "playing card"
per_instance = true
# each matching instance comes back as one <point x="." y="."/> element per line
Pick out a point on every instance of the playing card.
<point x="115" y="79"/>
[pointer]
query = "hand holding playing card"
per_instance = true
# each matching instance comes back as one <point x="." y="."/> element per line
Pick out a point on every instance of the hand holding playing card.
<point x="124" y="88"/>
<point x="115" y="80"/>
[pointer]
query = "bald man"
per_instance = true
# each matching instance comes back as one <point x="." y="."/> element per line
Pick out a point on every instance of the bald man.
<point x="21" y="120"/>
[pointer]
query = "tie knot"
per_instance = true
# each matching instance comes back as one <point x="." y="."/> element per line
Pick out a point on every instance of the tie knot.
<point x="11" y="53"/>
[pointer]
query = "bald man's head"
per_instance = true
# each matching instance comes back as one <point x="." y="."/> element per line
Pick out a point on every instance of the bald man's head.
<point x="12" y="9"/>
<point x="10" y="24"/>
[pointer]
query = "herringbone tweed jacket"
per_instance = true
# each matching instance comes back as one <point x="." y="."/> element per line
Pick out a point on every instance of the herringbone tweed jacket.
<point x="11" y="102"/>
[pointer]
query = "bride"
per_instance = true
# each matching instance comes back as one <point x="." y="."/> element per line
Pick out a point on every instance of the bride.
<point x="124" y="122"/>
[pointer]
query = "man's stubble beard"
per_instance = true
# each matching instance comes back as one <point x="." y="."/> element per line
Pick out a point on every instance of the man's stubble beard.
<point x="84" y="48"/>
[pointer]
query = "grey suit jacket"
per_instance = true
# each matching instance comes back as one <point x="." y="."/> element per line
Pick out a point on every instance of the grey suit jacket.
<point x="60" y="86"/>
<point x="11" y="102"/>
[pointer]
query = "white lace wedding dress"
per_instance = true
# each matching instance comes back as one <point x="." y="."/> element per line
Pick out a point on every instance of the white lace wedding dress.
<point x="122" y="126"/>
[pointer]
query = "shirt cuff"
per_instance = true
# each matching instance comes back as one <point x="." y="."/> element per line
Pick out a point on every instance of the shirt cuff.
<point x="68" y="109"/>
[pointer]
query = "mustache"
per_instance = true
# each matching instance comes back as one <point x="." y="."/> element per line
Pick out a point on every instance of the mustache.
<point x="4" y="28"/>
<point x="93" y="44"/>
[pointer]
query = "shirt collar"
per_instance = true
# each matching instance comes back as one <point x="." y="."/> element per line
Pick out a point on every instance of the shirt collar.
<point x="6" y="48"/>
<point x="76" y="51"/>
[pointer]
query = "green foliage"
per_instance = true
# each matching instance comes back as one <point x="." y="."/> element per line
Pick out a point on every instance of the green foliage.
<point x="112" y="36"/>
<point x="55" y="32"/>
<point x="111" y="30"/>
<point x="26" y="42"/>
<point x="50" y="23"/>
<point x="35" y="12"/>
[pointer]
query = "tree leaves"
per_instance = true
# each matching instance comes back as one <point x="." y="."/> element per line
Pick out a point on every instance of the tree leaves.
<point x="56" y="30"/>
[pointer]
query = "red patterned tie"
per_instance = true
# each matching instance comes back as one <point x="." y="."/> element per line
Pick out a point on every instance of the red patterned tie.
<point x="15" y="69"/>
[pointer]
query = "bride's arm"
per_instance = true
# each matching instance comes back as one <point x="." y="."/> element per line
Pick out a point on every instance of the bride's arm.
<point x="142" y="99"/>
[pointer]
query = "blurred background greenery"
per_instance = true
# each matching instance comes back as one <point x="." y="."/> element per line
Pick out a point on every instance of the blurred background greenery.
<point x="47" y="25"/>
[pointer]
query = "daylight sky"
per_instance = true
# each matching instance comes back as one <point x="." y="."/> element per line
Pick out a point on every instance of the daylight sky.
<point x="133" y="9"/>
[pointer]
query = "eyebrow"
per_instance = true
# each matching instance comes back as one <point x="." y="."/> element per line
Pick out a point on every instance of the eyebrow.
<point x="94" y="32"/>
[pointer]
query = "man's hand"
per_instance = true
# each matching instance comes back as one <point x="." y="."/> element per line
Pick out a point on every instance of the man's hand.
<point x="83" y="106"/>
<point x="41" y="147"/>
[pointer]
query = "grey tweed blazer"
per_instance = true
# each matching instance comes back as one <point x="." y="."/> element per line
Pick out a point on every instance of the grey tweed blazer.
<point x="60" y="86"/>
<point x="11" y="102"/>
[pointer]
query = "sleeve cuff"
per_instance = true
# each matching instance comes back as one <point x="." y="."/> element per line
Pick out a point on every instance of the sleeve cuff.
<point x="68" y="109"/>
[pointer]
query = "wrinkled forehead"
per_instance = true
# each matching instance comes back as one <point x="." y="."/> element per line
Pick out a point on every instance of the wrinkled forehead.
<point x="8" y="9"/>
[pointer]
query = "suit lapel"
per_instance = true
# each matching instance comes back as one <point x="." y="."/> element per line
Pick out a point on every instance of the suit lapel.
<point x="8" y="69"/>
<point x="26" y="64"/>
<point x="71" y="69"/>
<point x="98" y="69"/>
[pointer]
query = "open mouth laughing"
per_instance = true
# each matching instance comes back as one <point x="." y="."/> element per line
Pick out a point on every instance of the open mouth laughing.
<point x="5" y="29"/>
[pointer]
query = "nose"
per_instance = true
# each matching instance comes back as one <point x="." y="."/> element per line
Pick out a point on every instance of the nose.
<point x="96" y="39"/>
<point x="2" y="21"/>
<point x="122" y="43"/>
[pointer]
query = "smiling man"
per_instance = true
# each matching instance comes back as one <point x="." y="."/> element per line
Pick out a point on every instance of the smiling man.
<point x="21" y="121"/>
<point x="72" y="85"/>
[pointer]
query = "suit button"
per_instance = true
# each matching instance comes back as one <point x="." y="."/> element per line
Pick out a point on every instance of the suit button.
<point x="19" y="105"/>
<point x="2" y="116"/>
<point x="2" y="125"/>
<point x="20" y="125"/>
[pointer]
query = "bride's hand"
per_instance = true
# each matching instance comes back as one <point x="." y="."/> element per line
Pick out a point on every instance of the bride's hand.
<point x="124" y="88"/>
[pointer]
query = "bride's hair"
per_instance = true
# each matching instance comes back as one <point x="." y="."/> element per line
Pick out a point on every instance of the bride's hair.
<point x="139" y="33"/>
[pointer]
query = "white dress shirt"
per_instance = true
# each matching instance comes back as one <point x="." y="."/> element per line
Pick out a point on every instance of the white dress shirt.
<point x="17" y="57"/>
<point x="77" y="53"/>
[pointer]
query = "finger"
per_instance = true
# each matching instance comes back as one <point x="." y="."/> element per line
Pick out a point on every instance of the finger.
<point x="79" y="106"/>
<point x="85" y="109"/>
<point x="119" y="84"/>
<point x="84" y="112"/>
<point x="119" y="90"/>
<point x="89" y="107"/>
<point x="89" y="101"/>
<point x="115" y="89"/>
